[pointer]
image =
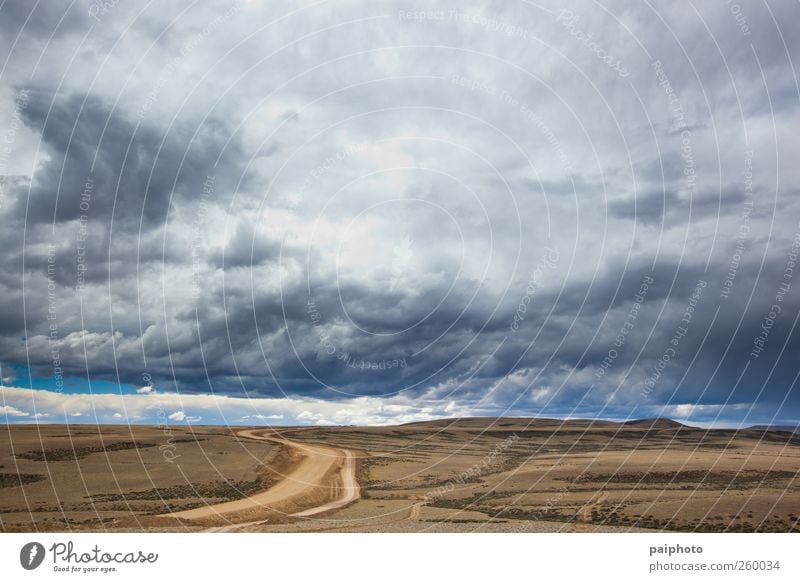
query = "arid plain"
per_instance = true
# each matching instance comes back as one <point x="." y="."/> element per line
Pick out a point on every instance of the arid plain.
<point x="474" y="474"/>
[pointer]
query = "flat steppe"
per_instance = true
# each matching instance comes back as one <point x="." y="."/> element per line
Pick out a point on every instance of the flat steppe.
<point x="456" y="475"/>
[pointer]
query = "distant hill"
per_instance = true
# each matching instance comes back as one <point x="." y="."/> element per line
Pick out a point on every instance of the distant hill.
<point x="523" y="423"/>
<point x="780" y="427"/>
<point x="654" y="423"/>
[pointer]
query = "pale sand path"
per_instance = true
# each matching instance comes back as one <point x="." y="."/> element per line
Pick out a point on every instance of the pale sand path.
<point x="309" y="474"/>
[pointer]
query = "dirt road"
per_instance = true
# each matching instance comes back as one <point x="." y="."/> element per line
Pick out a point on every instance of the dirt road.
<point x="322" y="472"/>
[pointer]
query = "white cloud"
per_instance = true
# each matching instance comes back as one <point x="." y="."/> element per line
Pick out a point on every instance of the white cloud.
<point x="217" y="409"/>
<point x="11" y="411"/>
<point x="225" y="410"/>
<point x="180" y="416"/>
<point x="263" y="416"/>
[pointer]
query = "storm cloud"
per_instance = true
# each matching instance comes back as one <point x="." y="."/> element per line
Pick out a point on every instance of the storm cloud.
<point x="565" y="210"/>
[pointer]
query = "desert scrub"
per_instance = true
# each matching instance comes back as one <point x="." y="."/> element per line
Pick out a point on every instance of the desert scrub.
<point x="217" y="490"/>
<point x="18" y="479"/>
<point x="50" y="455"/>
<point x="714" y="480"/>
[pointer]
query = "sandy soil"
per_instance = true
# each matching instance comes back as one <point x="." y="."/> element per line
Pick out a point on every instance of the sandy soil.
<point x="108" y="477"/>
<point x="514" y="475"/>
<point x="319" y="469"/>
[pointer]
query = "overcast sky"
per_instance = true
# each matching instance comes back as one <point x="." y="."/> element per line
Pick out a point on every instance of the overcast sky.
<point x="379" y="212"/>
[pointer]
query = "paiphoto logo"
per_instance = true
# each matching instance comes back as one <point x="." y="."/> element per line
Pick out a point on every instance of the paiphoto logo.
<point x="403" y="253"/>
<point x="31" y="555"/>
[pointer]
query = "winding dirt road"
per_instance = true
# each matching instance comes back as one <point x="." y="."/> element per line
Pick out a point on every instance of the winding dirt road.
<point x="322" y="472"/>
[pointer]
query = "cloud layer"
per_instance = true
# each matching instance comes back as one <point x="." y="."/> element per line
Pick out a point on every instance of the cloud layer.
<point x="581" y="210"/>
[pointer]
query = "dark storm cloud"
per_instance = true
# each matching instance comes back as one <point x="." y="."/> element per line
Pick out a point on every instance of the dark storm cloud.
<point x="248" y="247"/>
<point x="41" y="20"/>
<point x="124" y="172"/>
<point x="655" y="207"/>
<point x="374" y="228"/>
